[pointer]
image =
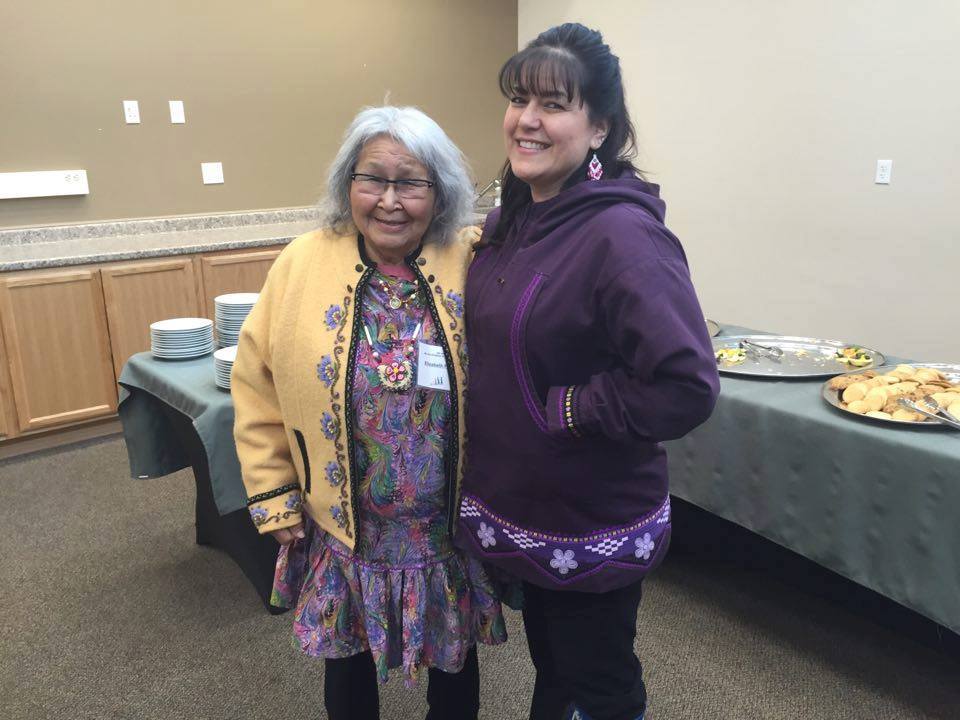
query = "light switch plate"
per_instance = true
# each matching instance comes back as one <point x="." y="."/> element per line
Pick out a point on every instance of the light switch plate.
<point x="131" y="112"/>
<point x="212" y="173"/>
<point x="176" y="112"/>
<point x="884" y="171"/>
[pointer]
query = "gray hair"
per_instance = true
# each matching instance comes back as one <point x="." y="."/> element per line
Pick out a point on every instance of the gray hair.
<point x="428" y="143"/>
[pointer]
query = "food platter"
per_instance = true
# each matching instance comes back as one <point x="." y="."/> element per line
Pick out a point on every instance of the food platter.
<point x="799" y="357"/>
<point x="713" y="327"/>
<point x="833" y="392"/>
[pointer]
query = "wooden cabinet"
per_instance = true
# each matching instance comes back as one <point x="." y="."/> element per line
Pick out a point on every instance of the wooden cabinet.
<point x="235" y="272"/>
<point x="8" y="415"/>
<point x="139" y="293"/>
<point x="58" y="347"/>
<point x="65" y="334"/>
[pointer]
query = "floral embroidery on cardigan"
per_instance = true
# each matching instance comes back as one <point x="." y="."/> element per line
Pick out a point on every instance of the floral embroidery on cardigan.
<point x="452" y="302"/>
<point x="260" y="516"/>
<point x="330" y="426"/>
<point x="334" y="317"/>
<point x="294" y="502"/>
<point x="327" y="370"/>
<point x="334" y="474"/>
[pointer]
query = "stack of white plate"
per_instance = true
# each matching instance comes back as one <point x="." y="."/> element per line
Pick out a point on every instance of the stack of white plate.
<point x="223" y="364"/>
<point x="230" y="312"/>
<point x="181" y="338"/>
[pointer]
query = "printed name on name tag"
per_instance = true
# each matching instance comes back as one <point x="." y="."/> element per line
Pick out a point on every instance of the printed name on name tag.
<point x="431" y="367"/>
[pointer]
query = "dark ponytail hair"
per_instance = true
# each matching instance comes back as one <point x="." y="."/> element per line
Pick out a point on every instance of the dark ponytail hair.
<point x="572" y="58"/>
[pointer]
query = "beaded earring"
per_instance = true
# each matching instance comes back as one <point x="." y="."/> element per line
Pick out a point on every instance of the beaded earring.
<point x="595" y="168"/>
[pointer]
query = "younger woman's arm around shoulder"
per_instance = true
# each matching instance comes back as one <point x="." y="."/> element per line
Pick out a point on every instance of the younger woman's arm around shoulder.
<point x="666" y="382"/>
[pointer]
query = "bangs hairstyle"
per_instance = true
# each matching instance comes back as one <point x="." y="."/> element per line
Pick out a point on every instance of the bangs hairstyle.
<point x="543" y="71"/>
<point x="428" y="143"/>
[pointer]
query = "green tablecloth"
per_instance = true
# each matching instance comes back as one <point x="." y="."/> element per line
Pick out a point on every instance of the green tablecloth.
<point x="877" y="504"/>
<point x="152" y="446"/>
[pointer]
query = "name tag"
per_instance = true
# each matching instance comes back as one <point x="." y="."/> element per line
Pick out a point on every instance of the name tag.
<point x="431" y="367"/>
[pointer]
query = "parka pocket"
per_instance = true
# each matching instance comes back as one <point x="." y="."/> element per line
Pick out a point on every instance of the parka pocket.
<point x="302" y="444"/>
<point x="518" y="334"/>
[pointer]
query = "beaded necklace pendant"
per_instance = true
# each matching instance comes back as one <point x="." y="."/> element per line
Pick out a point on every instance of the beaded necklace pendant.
<point x="395" y="367"/>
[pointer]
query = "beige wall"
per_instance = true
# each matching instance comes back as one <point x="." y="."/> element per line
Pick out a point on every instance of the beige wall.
<point x="763" y="122"/>
<point x="268" y="90"/>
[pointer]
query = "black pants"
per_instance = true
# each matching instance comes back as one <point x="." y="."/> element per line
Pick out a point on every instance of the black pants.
<point x="581" y="645"/>
<point x="350" y="690"/>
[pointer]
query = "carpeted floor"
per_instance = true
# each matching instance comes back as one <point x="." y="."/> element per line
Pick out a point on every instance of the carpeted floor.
<point x="111" y="611"/>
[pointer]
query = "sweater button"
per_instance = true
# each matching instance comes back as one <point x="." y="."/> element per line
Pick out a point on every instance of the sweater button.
<point x="430" y="278"/>
<point x="359" y="267"/>
<point x="421" y="261"/>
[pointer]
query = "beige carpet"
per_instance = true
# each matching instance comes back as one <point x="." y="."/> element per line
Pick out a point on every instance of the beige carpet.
<point x="111" y="611"/>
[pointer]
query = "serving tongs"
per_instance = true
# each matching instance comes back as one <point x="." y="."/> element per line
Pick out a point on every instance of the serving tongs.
<point x="941" y="416"/>
<point x="774" y="353"/>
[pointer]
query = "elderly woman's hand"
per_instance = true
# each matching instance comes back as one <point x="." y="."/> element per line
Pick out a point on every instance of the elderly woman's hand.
<point x="287" y="535"/>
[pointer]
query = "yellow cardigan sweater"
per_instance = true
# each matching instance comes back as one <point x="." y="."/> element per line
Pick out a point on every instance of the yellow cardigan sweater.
<point x="293" y="377"/>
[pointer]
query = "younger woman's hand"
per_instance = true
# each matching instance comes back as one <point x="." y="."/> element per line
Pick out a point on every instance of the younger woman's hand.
<point x="287" y="535"/>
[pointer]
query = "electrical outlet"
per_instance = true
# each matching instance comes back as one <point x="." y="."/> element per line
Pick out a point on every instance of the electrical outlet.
<point x="212" y="173"/>
<point x="43" y="183"/>
<point x="131" y="112"/>
<point x="884" y="170"/>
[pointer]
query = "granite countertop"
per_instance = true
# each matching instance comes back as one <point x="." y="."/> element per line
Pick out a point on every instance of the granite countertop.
<point x="82" y="251"/>
<point x="136" y="240"/>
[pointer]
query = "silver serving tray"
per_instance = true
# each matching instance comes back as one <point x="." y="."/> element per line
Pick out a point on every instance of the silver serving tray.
<point x="833" y="397"/>
<point x="713" y="328"/>
<point x="803" y="357"/>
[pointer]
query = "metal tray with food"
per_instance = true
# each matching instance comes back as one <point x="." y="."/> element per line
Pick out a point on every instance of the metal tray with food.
<point x="786" y="356"/>
<point x="910" y="394"/>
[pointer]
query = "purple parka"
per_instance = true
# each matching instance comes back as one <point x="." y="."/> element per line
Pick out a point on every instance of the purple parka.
<point x="588" y="348"/>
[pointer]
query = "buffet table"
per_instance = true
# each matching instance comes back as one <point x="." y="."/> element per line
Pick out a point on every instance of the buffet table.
<point x="876" y="504"/>
<point x="174" y="416"/>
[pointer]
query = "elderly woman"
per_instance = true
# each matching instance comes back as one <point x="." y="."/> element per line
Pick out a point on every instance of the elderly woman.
<point x="348" y="386"/>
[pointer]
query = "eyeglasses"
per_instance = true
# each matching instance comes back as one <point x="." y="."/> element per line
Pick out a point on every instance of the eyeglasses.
<point x="409" y="188"/>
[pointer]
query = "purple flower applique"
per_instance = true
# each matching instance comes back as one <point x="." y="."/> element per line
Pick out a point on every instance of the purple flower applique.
<point x="485" y="533"/>
<point x="259" y="515"/>
<point x="645" y="546"/>
<point x="334" y="317"/>
<point x="329" y="425"/>
<point x="327" y="370"/>
<point x="563" y="561"/>
<point x="334" y="473"/>
<point x="338" y="515"/>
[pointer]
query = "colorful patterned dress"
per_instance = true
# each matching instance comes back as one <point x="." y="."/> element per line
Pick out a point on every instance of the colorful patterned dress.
<point x="405" y="593"/>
